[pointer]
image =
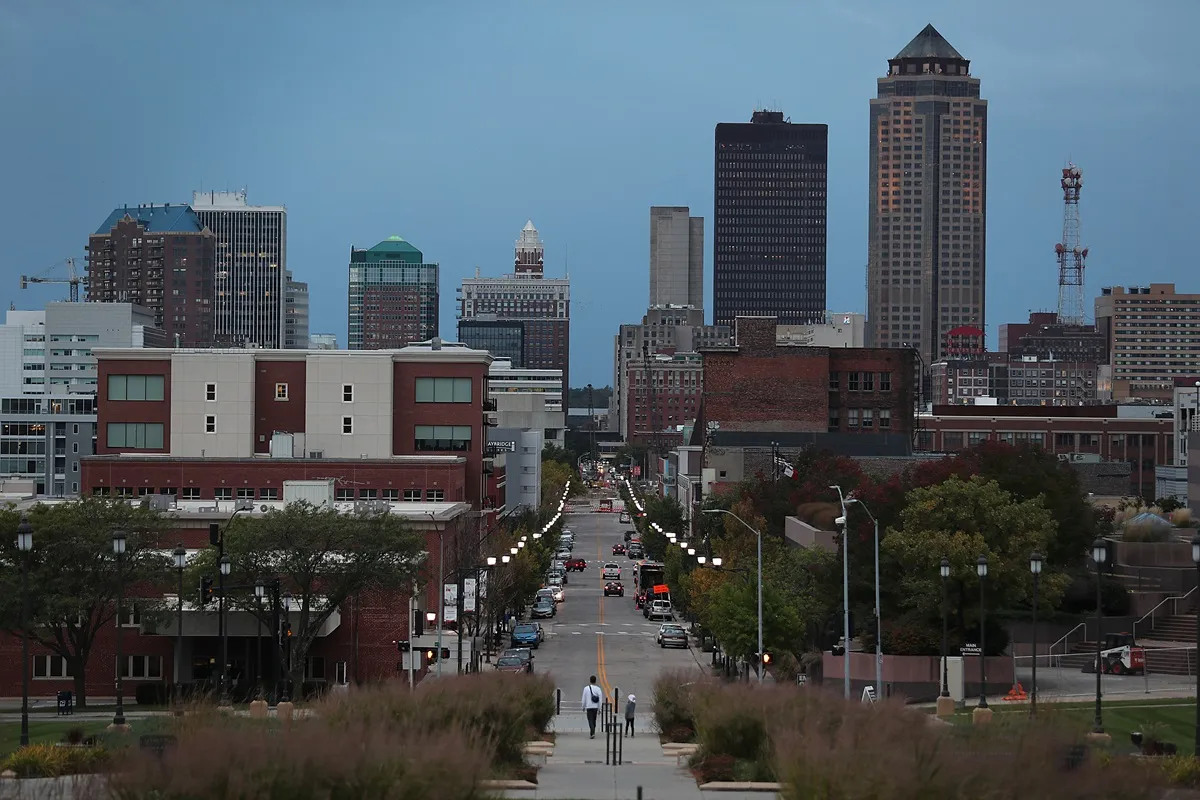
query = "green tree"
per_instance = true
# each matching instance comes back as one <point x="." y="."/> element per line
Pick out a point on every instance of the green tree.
<point x="555" y="476"/>
<point x="73" y="576"/>
<point x="732" y="616"/>
<point x="962" y="520"/>
<point x="322" y="557"/>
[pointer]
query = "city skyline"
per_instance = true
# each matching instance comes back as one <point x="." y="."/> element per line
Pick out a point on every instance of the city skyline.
<point x="592" y="211"/>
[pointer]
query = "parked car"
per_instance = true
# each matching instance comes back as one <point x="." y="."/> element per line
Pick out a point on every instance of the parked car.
<point x="576" y="565"/>
<point x="523" y="653"/>
<point x="672" y="635"/>
<point x="624" y="516"/>
<point x="543" y="592"/>
<point x="635" y="551"/>
<point x="614" y="589"/>
<point x="563" y="555"/>
<point x="660" y="609"/>
<point x="544" y="608"/>
<point x="513" y="664"/>
<point x="527" y="634"/>
<point x="559" y="594"/>
<point x="618" y="549"/>
<point x="555" y="580"/>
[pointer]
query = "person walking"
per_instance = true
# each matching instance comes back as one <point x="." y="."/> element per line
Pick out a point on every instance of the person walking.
<point x="630" y="707"/>
<point x="591" y="704"/>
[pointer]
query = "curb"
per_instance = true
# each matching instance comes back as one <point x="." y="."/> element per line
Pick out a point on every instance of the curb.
<point x="516" y="785"/>
<point x="740" y="786"/>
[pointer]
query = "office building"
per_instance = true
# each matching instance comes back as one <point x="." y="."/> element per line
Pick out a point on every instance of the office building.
<point x="393" y="296"/>
<point x="1046" y="338"/>
<point x="997" y="379"/>
<point x="251" y="268"/>
<point x="503" y="338"/>
<point x="769" y="220"/>
<point x="1153" y="336"/>
<point x="161" y="257"/>
<point x="528" y="399"/>
<point x="295" y="331"/>
<point x="926" y="266"/>
<point x="662" y="394"/>
<point x="676" y="257"/>
<point x="322" y="341"/>
<point x="542" y="306"/>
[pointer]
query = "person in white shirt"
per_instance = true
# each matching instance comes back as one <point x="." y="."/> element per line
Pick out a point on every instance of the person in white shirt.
<point x="592" y="697"/>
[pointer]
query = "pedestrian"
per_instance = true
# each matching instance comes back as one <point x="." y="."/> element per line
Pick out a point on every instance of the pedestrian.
<point x="630" y="707"/>
<point x="591" y="704"/>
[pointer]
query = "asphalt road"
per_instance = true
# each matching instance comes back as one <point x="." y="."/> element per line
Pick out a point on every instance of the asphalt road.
<point x="603" y="636"/>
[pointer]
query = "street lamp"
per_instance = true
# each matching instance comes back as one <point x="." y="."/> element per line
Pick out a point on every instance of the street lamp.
<point x="513" y="551"/>
<point x="25" y="545"/>
<point x="521" y="544"/>
<point x="1035" y="566"/>
<point x="180" y="557"/>
<point x="260" y="591"/>
<point x="716" y="562"/>
<point x="224" y="572"/>
<point x="487" y="644"/>
<point x="118" y="541"/>
<point x="691" y="551"/>
<point x="1099" y="556"/>
<point x="1196" y="560"/>
<point x="758" y="535"/>
<point x="944" y="569"/>
<point x="845" y="592"/>
<point x="700" y="560"/>
<point x="981" y="567"/>
<point x="878" y="609"/>
<point x="505" y="559"/>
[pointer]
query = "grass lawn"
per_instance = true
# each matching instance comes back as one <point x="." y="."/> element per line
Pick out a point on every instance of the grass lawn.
<point x="43" y="732"/>
<point x="1174" y="720"/>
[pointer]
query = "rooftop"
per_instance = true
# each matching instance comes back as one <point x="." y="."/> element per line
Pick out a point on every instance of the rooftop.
<point x="167" y="218"/>
<point x="394" y="244"/>
<point x="929" y="44"/>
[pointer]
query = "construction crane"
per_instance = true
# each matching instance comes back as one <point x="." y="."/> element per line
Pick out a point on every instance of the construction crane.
<point x="73" y="280"/>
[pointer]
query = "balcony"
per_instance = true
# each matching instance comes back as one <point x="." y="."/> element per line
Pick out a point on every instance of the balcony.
<point x="489" y="404"/>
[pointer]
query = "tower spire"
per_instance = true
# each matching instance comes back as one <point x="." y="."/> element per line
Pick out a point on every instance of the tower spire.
<point x="1072" y="256"/>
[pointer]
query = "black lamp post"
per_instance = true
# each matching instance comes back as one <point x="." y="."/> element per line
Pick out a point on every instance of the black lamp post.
<point x="119" y="551"/>
<point x="224" y="572"/>
<point x="981" y="567"/>
<point x="180" y="556"/>
<point x="944" y="569"/>
<point x="487" y="643"/>
<point x="1035" y="566"/>
<point x="1196" y="560"/>
<point x="260" y="591"/>
<point x="1099" y="556"/>
<point x="287" y="626"/>
<point x="25" y="546"/>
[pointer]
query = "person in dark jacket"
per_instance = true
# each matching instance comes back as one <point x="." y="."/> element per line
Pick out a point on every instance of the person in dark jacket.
<point x="630" y="707"/>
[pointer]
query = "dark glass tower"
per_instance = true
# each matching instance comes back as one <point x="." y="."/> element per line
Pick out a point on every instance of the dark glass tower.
<point x="769" y="220"/>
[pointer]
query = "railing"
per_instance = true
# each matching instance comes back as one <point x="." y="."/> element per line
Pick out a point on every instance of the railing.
<point x="1152" y="614"/>
<point x="1063" y="644"/>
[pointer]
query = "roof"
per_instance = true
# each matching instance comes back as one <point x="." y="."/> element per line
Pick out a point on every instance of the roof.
<point x="167" y="218"/>
<point x="929" y="44"/>
<point x="1146" y="518"/>
<point x="529" y="226"/>
<point x="394" y="244"/>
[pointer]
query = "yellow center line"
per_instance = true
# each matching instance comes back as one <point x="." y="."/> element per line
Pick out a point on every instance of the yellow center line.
<point x="601" y="667"/>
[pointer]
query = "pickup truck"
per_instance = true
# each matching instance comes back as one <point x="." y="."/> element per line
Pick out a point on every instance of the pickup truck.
<point x="575" y="565"/>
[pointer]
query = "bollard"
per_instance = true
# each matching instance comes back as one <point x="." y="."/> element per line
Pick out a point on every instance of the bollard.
<point x="558" y="703"/>
<point x="607" y="745"/>
<point x="620" y="734"/>
<point x="639" y="795"/>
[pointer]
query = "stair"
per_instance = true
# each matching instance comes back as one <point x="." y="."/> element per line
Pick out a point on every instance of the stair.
<point x="1178" y="628"/>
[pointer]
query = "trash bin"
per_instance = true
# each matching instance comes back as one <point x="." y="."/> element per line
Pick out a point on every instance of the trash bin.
<point x="66" y="704"/>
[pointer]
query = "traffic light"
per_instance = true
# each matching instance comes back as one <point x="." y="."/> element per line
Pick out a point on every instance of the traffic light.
<point x="418" y="623"/>
<point x="206" y="591"/>
<point x="766" y="658"/>
<point x="404" y="646"/>
<point x="445" y="653"/>
<point x="214" y="533"/>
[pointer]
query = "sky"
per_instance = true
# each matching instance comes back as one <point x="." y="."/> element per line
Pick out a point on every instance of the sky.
<point x="451" y="124"/>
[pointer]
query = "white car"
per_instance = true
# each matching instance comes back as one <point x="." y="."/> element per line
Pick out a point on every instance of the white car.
<point x="558" y="593"/>
<point x="612" y="572"/>
<point x="555" y="580"/>
<point x="563" y="555"/>
<point x="661" y="609"/>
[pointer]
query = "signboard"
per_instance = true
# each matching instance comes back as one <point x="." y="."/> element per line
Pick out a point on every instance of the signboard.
<point x="637" y="472"/>
<point x="869" y="694"/>
<point x="451" y="613"/>
<point x="501" y="447"/>
<point x="469" y="595"/>
<point x="661" y="588"/>
<point x="483" y="582"/>
<point x="970" y="649"/>
<point x="450" y="599"/>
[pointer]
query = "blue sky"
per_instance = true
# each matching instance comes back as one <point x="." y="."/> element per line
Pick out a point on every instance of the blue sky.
<point x="450" y="124"/>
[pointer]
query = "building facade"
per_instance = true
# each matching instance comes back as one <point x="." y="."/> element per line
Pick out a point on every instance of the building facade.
<point x="662" y="395"/>
<point x="769" y="226"/>
<point x="1045" y="338"/>
<point x="1024" y="381"/>
<point x="528" y="399"/>
<point x="503" y="338"/>
<point x="838" y="330"/>
<point x="162" y="258"/>
<point x="926" y="270"/>
<point x="1153" y="336"/>
<point x="322" y="341"/>
<point x="251" y="268"/>
<point x="676" y="257"/>
<point x="394" y="296"/>
<point x="296" y="315"/>
<point x="530" y="259"/>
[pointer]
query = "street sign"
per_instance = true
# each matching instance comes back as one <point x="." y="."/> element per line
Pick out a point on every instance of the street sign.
<point x="868" y="695"/>
<point x="970" y="649"/>
<point x="469" y="595"/>
<point x="661" y="588"/>
<point x="495" y="448"/>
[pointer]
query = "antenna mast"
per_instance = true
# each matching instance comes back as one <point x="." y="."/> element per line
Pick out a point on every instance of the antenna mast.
<point x="1072" y="257"/>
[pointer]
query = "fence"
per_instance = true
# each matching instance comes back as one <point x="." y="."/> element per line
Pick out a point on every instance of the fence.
<point x="1167" y="608"/>
<point x="1168" y="671"/>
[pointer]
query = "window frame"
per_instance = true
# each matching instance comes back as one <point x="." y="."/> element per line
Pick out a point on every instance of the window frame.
<point x="210" y="393"/>
<point x="458" y="390"/>
<point x="159" y="383"/>
<point x="281" y="392"/>
<point x="210" y="423"/>
<point x="124" y="428"/>
<point x="431" y="441"/>
<point x="347" y="426"/>
<point x="347" y="392"/>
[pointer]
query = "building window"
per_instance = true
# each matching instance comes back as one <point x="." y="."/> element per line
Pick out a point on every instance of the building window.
<point x="314" y="670"/>
<point x="868" y="381"/>
<point x="74" y="447"/>
<point x="347" y="393"/>
<point x="210" y="424"/>
<point x="281" y="391"/>
<point x="443" y="390"/>
<point x="135" y="387"/>
<point x="952" y="440"/>
<point x="443" y="437"/>
<point x="868" y="416"/>
<point x="268" y="494"/>
<point x="412" y="495"/>
<point x="344" y="495"/>
<point x="347" y="425"/>
<point x="339" y="672"/>
<point x="245" y="493"/>
<point x="834" y="383"/>
<point x="368" y="494"/>
<point x="74" y="466"/>
<point x="143" y="668"/>
<point x="852" y="381"/>
<point x="885" y="417"/>
<point x="131" y="616"/>
<point x="49" y="668"/>
<point x="190" y="493"/>
<point x="223" y="493"/>
<point x="834" y="421"/>
<point x="210" y="392"/>
<point x="885" y="382"/>
<point x="1064" y="440"/>
<point x="391" y="494"/>
<point x="435" y="495"/>
<point x="852" y="418"/>
<point x="135" y="435"/>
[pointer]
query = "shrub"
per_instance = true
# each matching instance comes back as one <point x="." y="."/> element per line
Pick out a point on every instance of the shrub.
<point x="733" y="721"/>
<point x="1182" y="518"/>
<point x="1145" y="532"/>
<point x="48" y="761"/>
<point x="674" y="694"/>
<point x="152" y="694"/>
<point x="1181" y="771"/>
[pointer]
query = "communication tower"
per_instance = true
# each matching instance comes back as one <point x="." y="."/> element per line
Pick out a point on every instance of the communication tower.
<point x="1072" y="256"/>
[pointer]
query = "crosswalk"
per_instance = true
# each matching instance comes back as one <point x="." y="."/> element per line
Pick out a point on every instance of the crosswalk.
<point x="603" y="629"/>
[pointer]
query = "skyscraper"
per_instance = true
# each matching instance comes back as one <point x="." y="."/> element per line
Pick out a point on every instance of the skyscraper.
<point x="928" y="175"/>
<point x="530" y="253"/>
<point x="251" y="267"/>
<point x="676" y="257"/>
<point x="769" y="220"/>
<point x="295" y="316"/>
<point x="393" y="296"/>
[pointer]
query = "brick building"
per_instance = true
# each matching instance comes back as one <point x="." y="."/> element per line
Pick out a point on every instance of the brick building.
<point x="662" y="394"/>
<point x="1152" y="333"/>
<point x="1021" y="381"/>
<point x="1140" y="436"/>
<point x="1045" y="338"/>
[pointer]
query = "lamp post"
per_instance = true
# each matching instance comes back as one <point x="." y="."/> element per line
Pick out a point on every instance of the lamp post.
<point x="224" y="572"/>
<point x="981" y="567"/>
<point x="1099" y="556"/>
<point x="1196" y="560"/>
<point x="487" y="639"/>
<point x="286" y="602"/>
<point x="944" y="569"/>
<point x="757" y="534"/>
<point x="119" y="551"/>
<point x="25" y="546"/>
<point x="260" y="591"/>
<point x="878" y="611"/>
<point x="1035" y="566"/>
<point x="180" y="556"/>
<point x="845" y="593"/>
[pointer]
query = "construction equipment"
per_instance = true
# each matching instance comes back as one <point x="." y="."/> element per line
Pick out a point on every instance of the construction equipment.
<point x="1120" y="656"/>
<point x="73" y="279"/>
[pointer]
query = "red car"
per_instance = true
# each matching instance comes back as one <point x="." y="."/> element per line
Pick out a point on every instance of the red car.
<point x="618" y="549"/>
<point x="575" y="565"/>
<point x="614" y="588"/>
<point x="639" y="599"/>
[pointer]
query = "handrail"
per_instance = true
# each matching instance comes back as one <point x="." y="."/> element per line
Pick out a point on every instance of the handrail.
<point x="1063" y="641"/>
<point x="1175" y="609"/>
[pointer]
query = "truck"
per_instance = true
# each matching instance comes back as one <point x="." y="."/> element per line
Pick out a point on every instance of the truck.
<point x="647" y="575"/>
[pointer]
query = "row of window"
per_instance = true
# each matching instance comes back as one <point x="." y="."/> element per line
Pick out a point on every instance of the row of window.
<point x="861" y="419"/>
<point x="150" y="668"/>
<point x="152" y="388"/>
<point x="271" y="494"/>
<point x="861" y="381"/>
<point x="149" y="435"/>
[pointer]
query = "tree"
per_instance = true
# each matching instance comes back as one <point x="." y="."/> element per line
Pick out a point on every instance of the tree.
<point x="555" y="476"/>
<point x="322" y="557"/>
<point x="73" y="575"/>
<point x="732" y="616"/>
<point x="962" y="520"/>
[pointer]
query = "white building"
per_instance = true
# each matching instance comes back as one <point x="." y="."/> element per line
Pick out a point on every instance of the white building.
<point x="838" y="330"/>
<point x="1170" y="480"/>
<point x="676" y="257"/>
<point x="528" y="399"/>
